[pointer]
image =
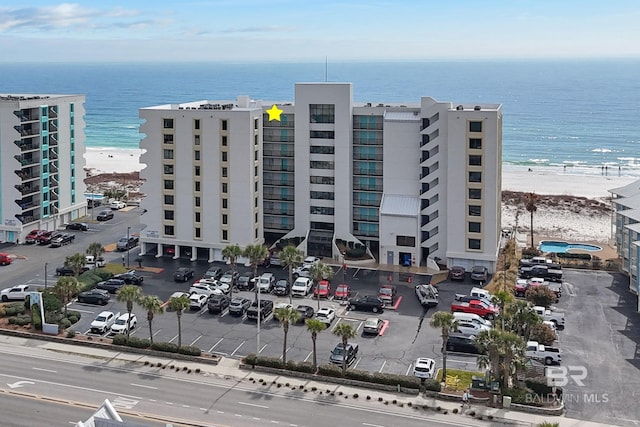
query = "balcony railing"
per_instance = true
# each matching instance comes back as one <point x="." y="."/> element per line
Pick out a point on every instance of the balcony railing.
<point x="366" y="156"/>
<point x="27" y="145"/>
<point x="276" y="195"/>
<point x="279" y="182"/>
<point x="25" y="189"/>
<point x="278" y="153"/>
<point x="365" y="187"/>
<point x="26" y="219"/>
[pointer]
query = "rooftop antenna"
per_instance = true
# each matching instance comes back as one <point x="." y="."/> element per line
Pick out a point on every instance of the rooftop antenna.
<point x="326" y="69"/>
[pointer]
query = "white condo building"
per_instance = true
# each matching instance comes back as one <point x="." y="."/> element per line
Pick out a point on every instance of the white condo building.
<point x="402" y="183"/>
<point x="42" y="164"/>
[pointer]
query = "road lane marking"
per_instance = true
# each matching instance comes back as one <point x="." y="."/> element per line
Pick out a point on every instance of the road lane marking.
<point x="196" y="340"/>
<point x="124" y="403"/>
<point x="382" y="367"/>
<point x="44" y="370"/>
<point x="19" y="384"/>
<point x="308" y="356"/>
<point x="253" y="404"/>
<point x="395" y="306"/>
<point x="372" y="425"/>
<point x="215" y="345"/>
<point x="144" y="386"/>
<point x="262" y="349"/>
<point x="173" y="339"/>
<point x="359" y="326"/>
<point x="238" y="348"/>
<point x="385" y="324"/>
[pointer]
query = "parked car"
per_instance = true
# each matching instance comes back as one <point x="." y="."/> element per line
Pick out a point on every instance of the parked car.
<point x="470" y="328"/>
<point x="93" y="261"/>
<point x="78" y="226"/>
<point x="306" y="312"/>
<point x="310" y="260"/>
<point x="126" y="322"/>
<point x="125" y="243"/>
<point x="326" y="315"/>
<point x="111" y="285"/>
<point x="93" y="203"/>
<point x="266" y="282"/>
<point x="424" y="368"/>
<point x="130" y="278"/>
<point x="387" y="293"/>
<point x="367" y="303"/>
<point x="94" y="296"/>
<point x="479" y="274"/>
<point x="246" y="282"/>
<point x="62" y="240"/>
<point x="342" y="292"/>
<point x="215" y="284"/>
<point x="176" y="295"/>
<point x="373" y="325"/>
<point x="281" y="288"/>
<point x="47" y="237"/>
<point x="103" y="322"/>
<point x="32" y="236"/>
<point x="217" y="303"/>
<point x="183" y="274"/>
<point x="68" y="271"/>
<point x="104" y="215"/>
<point x="18" y="292"/>
<point x="117" y="204"/>
<point x="239" y="305"/>
<point x="213" y="273"/>
<point x="204" y="289"/>
<point x="264" y="311"/>
<point x="340" y="353"/>
<point x="322" y="289"/>
<point x="301" y="287"/>
<point x="427" y="295"/>
<point x="279" y="306"/>
<point x="457" y="273"/>
<point x="197" y="301"/>
<point x="230" y="277"/>
<point x="463" y="344"/>
<point x="5" y="259"/>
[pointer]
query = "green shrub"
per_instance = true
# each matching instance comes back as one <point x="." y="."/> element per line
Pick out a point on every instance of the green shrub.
<point x="71" y="333"/>
<point x="65" y="323"/>
<point x="568" y="255"/>
<point x="74" y="313"/>
<point x="539" y="388"/>
<point x="52" y="317"/>
<point x="330" y="370"/>
<point x="530" y="252"/>
<point x="51" y="302"/>
<point x="72" y="319"/>
<point x="190" y="350"/>
<point x="393" y="379"/>
<point x="2" y="312"/>
<point x="119" y="339"/>
<point x="102" y="273"/>
<point x="271" y="362"/>
<point x="138" y="342"/>
<point x="168" y="347"/>
<point x="432" y="385"/>
<point x="19" y="320"/>
<point x="300" y="366"/>
<point x="548" y="424"/>
<point x="37" y="320"/>
<point x="518" y="395"/>
<point x="250" y="359"/>
<point x="14" y="309"/>
<point x="359" y="375"/>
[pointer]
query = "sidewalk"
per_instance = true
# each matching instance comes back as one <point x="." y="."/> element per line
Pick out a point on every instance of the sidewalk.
<point x="230" y="368"/>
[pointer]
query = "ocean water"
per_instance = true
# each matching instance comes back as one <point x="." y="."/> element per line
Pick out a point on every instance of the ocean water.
<point x="579" y="114"/>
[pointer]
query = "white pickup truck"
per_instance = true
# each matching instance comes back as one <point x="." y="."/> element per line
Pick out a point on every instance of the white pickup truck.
<point x="18" y="292"/>
<point x="538" y="351"/>
<point x="103" y="322"/>
<point x="556" y="317"/>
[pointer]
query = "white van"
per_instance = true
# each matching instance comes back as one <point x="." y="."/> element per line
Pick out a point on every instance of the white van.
<point x="471" y="317"/>
<point x="480" y="293"/>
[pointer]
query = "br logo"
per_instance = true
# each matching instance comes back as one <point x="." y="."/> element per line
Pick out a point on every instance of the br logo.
<point x="558" y="376"/>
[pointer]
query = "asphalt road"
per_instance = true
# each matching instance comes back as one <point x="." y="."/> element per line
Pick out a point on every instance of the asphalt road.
<point x="179" y="397"/>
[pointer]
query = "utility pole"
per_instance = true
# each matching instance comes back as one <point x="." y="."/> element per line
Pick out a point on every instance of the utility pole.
<point x="128" y="249"/>
<point x="259" y="319"/>
<point x="45" y="275"/>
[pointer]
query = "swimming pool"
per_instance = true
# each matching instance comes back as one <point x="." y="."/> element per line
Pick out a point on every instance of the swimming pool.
<point x="563" y="247"/>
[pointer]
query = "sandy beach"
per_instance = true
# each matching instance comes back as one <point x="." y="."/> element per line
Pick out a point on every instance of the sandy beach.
<point x="573" y="206"/>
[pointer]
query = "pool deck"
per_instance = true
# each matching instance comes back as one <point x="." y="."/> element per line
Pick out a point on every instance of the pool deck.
<point x="608" y="250"/>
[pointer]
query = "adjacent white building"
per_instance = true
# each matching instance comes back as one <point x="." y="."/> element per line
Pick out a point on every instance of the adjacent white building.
<point x="42" y="164"/>
<point x="401" y="183"/>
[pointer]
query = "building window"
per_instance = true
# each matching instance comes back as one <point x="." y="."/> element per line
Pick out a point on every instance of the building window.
<point x="168" y="230"/>
<point x="475" y="193"/>
<point x="321" y="149"/>
<point x="255" y="186"/>
<point x="225" y="188"/>
<point x="197" y="218"/>
<point x="313" y="164"/>
<point x="322" y="195"/>
<point x="224" y="156"/>
<point x="408" y="241"/>
<point x="474" y="244"/>
<point x="168" y="154"/>
<point x="224" y="203"/>
<point x="255" y="155"/>
<point x="255" y="202"/>
<point x="225" y="235"/>
<point x="224" y="172"/>
<point x="197" y="232"/>
<point x="225" y="219"/>
<point x="475" y="143"/>
<point x="322" y="226"/>
<point x="168" y="215"/>
<point x="196" y="139"/>
<point x="474" y="227"/>
<point x="168" y="169"/>
<point x="475" y="210"/>
<point x="196" y="124"/>
<point x="475" y="176"/>
<point x="167" y="123"/>
<point x="321" y="210"/>
<point x="197" y="201"/>
<point x="196" y="155"/>
<point x="196" y="185"/>
<point x="168" y="139"/>
<point x="168" y="184"/>
<point x="255" y="171"/>
<point x="196" y="170"/>
<point x="255" y="218"/>
<point x="322" y="134"/>
<point x="475" y="160"/>
<point x="329" y="180"/>
<point x="168" y="199"/>
<point x="255" y="233"/>
<point x="321" y="113"/>
<point x="223" y="125"/>
<point x="256" y="123"/>
<point x="224" y="140"/>
<point x="255" y="140"/>
<point x="475" y="126"/>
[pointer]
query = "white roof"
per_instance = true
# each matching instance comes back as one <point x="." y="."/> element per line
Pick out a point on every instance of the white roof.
<point x="402" y="116"/>
<point x="400" y="205"/>
<point x="632" y="202"/>
<point x="633" y="227"/>
<point x="627" y="190"/>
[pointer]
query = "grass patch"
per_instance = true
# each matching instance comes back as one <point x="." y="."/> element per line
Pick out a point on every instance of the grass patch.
<point x="463" y="376"/>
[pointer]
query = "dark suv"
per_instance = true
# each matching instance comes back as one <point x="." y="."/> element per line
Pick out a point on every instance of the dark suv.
<point x="217" y="303"/>
<point x="213" y="273"/>
<point x="367" y="303"/>
<point x="183" y="274"/>
<point x="462" y="344"/>
<point x="281" y="288"/>
<point x="338" y="354"/>
<point x="479" y="274"/>
<point x="457" y="273"/>
<point x="130" y="278"/>
<point x="111" y="285"/>
<point x="266" y="308"/>
<point x="245" y="282"/>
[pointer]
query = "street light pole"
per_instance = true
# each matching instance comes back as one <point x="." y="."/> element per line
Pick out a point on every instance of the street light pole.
<point x="45" y="275"/>
<point x="128" y="249"/>
<point x="259" y="319"/>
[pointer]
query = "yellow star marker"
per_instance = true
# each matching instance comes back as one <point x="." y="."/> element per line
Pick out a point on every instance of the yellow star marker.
<point x="274" y="113"/>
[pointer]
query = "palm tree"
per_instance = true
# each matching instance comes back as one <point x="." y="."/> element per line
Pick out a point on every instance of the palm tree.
<point x="319" y="271"/>
<point x="255" y="253"/>
<point x="504" y="350"/>
<point x="489" y="343"/>
<point x="502" y="299"/>
<point x="153" y="305"/>
<point x="179" y="304"/>
<point x="520" y="318"/>
<point x="315" y="326"/>
<point x="286" y="316"/>
<point x="65" y="289"/>
<point x="75" y="262"/>
<point x="96" y="250"/>
<point x="232" y="253"/>
<point x="291" y="258"/>
<point x="530" y="204"/>
<point x="129" y="294"/>
<point x="447" y="323"/>
<point x="345" y="331"/>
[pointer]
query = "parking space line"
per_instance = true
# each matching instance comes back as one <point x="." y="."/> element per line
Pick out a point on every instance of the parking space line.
<point x="385" y="324"/>
<point x="359" y="326"/>
<point x="286" y="351"/>
<point x="262" y="349"/>
<point x="382" y="367"/>
<point x="224" y="313"/>
<point x="83" y="311"/>
<point x="395" y="306"/>
<point x="355" y="365"/>
<point x="409" y="369"/>
<point x="308" y="356"/>
<point x="215" y="345"/>
<point x="462" y="361"/>
<point x="196" y="340"/>
<point x="156" y="332"/>
<point x="238" y="348"/>
<point x="173" y="339"/>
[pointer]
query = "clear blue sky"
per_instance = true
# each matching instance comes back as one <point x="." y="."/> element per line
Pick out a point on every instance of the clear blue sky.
<point x="302" y="30"/>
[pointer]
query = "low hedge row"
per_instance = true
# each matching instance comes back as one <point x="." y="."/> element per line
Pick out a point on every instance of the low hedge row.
<point x="167" y="347"/>
<point x="21" y="320"/>
<point x="568" y="255"/>
<point x="12" y="309"/>
<point x="90" y="278"/>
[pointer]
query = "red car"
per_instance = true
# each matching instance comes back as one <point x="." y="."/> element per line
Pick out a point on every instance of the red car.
<point x="5" y="259"/>
<point x="32" y="236"/>
<point x="323" y="289"/>
<point x="343" y="291"/>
